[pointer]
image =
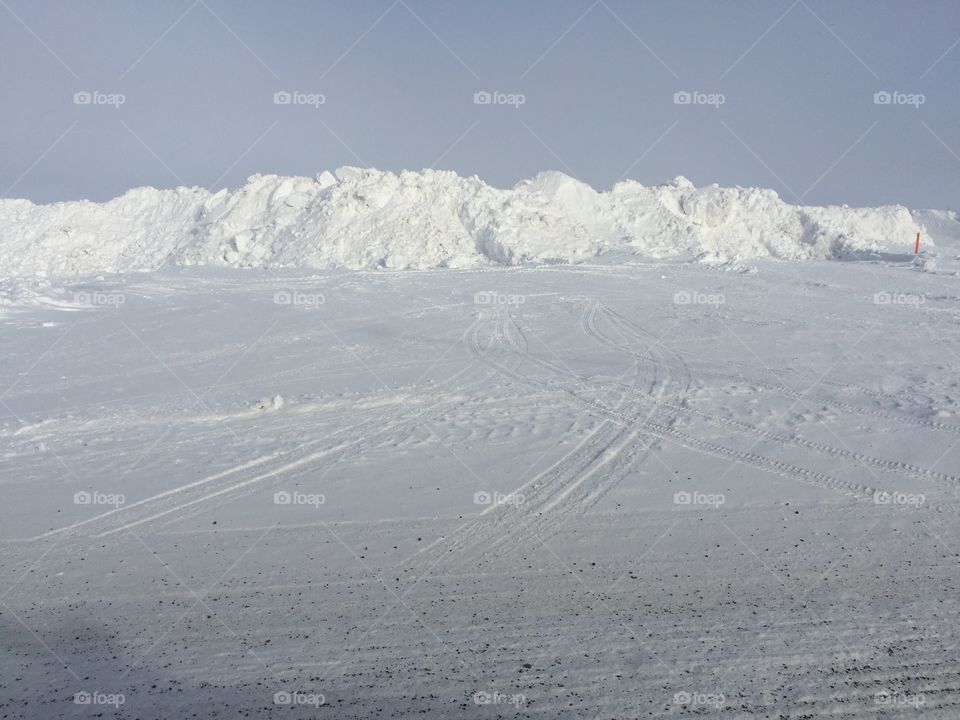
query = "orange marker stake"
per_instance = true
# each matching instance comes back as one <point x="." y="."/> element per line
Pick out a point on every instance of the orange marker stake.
<point x="916" y="248"/>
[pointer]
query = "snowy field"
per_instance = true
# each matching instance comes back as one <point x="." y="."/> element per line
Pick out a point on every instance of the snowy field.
<point x="609" y="490"/>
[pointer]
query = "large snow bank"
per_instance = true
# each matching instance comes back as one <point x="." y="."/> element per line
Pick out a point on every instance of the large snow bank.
<point x="371" y="219"/>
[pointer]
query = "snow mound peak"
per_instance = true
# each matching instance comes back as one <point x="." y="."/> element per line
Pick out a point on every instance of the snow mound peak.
<point x="366" y="218"/>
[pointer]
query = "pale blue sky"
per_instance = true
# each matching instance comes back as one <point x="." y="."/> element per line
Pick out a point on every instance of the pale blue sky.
<point x="598" y="78"/>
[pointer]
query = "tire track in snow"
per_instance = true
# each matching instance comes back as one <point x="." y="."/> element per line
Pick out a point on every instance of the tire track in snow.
<point x="946" y="479"/>
<point x="662" y="431"/>
<point x="208" y="488"/>
<point x="572" y="484"/>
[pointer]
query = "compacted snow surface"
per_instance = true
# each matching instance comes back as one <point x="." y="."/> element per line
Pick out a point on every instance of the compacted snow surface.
<point x="623" y="488"/>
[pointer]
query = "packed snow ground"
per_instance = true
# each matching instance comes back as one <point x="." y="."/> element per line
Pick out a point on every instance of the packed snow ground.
<point x="654" y="489"/>
<point x="364" y="219"/>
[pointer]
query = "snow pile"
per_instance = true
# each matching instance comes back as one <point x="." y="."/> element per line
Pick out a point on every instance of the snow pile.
<point x="371" y="219"/>
<point x="944" y="225"/>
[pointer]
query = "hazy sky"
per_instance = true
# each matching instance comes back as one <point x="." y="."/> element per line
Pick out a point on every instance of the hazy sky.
<point x="786" y="93"/>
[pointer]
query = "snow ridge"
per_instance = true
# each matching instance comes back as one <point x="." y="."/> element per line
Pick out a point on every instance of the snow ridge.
<point x="365" y="219"/>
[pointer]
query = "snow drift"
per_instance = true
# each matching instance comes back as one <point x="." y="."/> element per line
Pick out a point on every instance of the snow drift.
<point x="365" y="219"/>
